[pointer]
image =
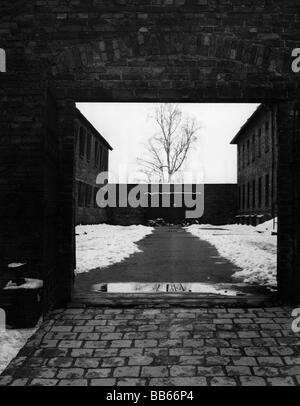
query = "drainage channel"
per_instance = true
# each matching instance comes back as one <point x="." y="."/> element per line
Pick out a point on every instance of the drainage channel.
<point x="170" y="287"/>
<point x="168" y="294"/>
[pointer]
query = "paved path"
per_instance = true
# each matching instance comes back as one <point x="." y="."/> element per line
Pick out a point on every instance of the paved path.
<point x="175" y="346"/>
<point x="169" y="254"/>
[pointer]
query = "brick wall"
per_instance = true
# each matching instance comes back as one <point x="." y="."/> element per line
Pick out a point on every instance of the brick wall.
<point x="220" y="207"/>
<point x="157" y="49"/>
<point x="126" y="216"/>
<point x="22" y="133"/>
<point x="111" y="50"/>
<point x="220" y="204"/>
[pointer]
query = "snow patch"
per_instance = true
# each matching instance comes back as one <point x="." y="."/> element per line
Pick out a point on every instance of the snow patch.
<point x="29" y="284"/>
<point x="253" y="249"/>
<point x="11" y="341"/>
<point x="270" y="225"/>
<point x="16" y="264"/>
<point x="101" y="245"/>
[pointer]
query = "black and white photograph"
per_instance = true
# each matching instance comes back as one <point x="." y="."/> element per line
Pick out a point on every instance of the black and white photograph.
<point x="149" y="196"/>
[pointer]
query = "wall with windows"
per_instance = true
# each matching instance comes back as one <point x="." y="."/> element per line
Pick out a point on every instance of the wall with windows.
<point x="92" y="154"/>
<point x="257" y="166"/>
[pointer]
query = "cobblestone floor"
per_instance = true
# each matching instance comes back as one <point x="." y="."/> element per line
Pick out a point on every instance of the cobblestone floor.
<point x="168" y="346"/>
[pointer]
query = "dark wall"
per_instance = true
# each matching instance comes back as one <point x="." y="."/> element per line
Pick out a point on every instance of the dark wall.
<point x="111" y="50"/>
<point x="156" y="49"/>
<point x="220" y="204"/>
<point x="220" y="207"/>
<point x="289" y="201"/>
<point x="91" y="215"/>
<point x="124" y="216"/>
<point x="22" y="149"/>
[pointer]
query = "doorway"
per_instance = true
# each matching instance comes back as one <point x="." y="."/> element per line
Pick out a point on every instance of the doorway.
<point x="158" y="249"/>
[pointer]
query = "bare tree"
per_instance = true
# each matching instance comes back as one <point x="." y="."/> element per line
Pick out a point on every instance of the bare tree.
<point x="167" y="150"/>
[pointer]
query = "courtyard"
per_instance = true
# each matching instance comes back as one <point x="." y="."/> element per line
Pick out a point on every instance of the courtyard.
<point x="206" y="260"/>
<point x="211" y="258"/>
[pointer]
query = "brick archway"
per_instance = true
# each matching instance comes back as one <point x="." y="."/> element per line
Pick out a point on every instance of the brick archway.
<point x="183" y="50"/>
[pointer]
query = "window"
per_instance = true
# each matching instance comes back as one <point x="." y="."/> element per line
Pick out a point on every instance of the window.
<point x="253" y="195"/>
<point x="78" y="184"/>
<point x="88" y="195"/>
<point x="248" y="152"/>
<point x="88" y="147"/>
<point x="267" y="140"/>
<point x="253" y="147"/>
<point x="259" y="192"/>
<point x="85" y="193"/>
<point x="76" y="134"/>
<point x="267" y="190"/>
<point x="248" y="195"/>
<point x="259" y="142"/>
<point x="81" y="194"/>
<point x="100" y="157"/>
<point x="95" y="197"/>
<point x="96" y="153"/>
<point x="105" y="159"/>
<point x="243" y="198"/>
<point x="81" y="142"/>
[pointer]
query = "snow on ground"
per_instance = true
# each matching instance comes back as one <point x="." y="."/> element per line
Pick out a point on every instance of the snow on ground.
<point x="101" y="245"/>
<point x="253" y="249"/>
<point x="11" y="341"/>
<point x="96" y="246"/>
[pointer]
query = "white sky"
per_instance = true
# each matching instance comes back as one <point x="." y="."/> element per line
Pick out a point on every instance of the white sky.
<point x="126" y="126"/>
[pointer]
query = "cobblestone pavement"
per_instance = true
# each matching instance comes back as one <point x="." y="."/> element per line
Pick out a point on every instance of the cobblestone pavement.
<point x="167" y="346"/>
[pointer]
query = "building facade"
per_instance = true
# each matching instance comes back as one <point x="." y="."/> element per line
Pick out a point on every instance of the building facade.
<point x="257" y="162"/>
<point x="92" y="157"/>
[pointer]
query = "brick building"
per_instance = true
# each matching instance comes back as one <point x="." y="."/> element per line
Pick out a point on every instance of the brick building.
<point x="257" y="166"/>
<point x="92" y="154"/>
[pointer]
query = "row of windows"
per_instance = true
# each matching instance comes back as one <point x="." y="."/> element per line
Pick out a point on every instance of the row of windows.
<point x="252" y="148"/>
<point x="86" y="195"/>
<point x="100" y="153"/>
<point x="250" y="194"/>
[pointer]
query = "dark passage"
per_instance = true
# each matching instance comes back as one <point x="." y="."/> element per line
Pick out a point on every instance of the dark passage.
<point x="169" y="254"/>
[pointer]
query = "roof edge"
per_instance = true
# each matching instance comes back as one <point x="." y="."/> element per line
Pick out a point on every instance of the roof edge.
<point x="241" y="131"/>
<point x="92" y="128"/>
